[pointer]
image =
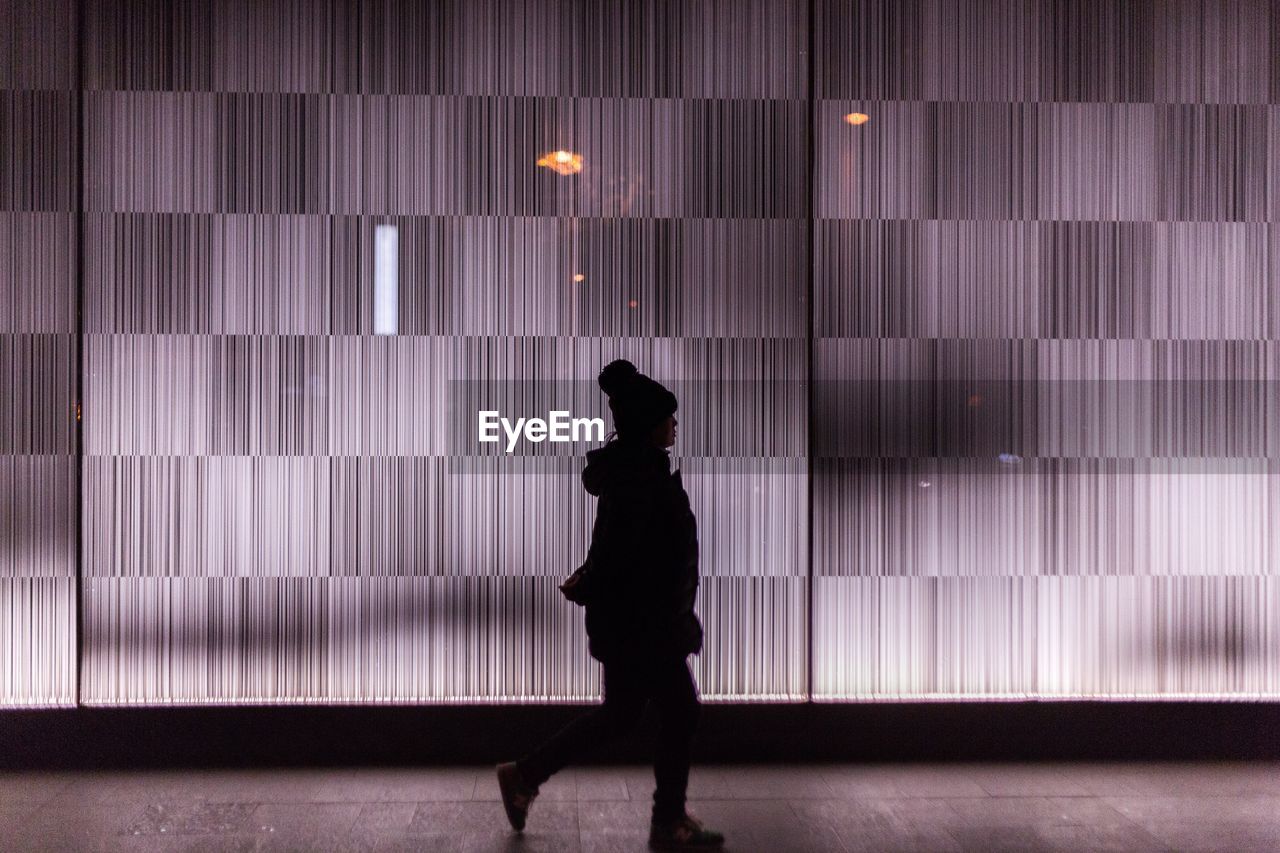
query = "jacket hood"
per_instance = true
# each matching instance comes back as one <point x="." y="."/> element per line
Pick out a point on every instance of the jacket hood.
<point x="621" y="462"/>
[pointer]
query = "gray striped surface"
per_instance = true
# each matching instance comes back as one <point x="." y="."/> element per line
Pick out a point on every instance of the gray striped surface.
<point x="1029" y="414"/>
<point x="38" y="354"/>
<point x="278" y="508"/>
<point x="1046" y="318"/>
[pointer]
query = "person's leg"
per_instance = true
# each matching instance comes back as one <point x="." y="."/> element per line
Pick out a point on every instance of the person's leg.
<point x="676" y="696"/>
<point x="624" y="701"/>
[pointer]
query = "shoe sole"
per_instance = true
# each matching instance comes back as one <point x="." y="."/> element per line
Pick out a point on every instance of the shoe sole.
<point x="504" y="785"/>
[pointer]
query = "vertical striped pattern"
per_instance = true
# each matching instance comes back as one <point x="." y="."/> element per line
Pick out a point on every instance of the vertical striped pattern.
<point x="38" y="354"/>
<point x="1046" y="350"/>
<point x="1045" y="325"/>
<point x="280" y="505"/>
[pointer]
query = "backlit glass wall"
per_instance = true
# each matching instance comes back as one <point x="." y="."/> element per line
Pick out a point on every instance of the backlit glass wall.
<point x="278" y="507"/>
<point x="1045" y="347"/>
<point x="971" y="307"/>
<point x="38" y="354"/>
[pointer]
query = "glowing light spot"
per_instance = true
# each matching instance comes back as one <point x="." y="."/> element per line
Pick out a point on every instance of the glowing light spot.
<point x="975" y="400"/>
<point x="579" y="277"/>
<point x="562" y="162"/>
<point x="386" y="266"/>
<point x="857" y="118"/>
<point x="1009" y="458"/>
<point x="632" y="304"/>
<point x="924" y="484"/>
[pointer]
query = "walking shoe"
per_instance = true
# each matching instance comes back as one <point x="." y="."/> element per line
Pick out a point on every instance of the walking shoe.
<point x="516" y="795"/>
<point x="687" y="833"/>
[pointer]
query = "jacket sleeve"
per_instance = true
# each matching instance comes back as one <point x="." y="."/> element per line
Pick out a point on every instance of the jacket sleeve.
<point x="684" y="556"/>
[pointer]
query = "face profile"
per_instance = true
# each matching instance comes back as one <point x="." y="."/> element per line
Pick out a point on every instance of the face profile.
<point x="664" y="434"/>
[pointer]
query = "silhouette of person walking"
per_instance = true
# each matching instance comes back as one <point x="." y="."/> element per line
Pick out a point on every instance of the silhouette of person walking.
<point x="638" y="586"/>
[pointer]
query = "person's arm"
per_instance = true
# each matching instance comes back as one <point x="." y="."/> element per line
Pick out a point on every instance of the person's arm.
<point x="588" y="583"/>
<point x="684" y="552"/>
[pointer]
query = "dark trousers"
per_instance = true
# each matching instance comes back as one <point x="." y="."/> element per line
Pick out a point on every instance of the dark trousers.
<point x="628" y="686"/>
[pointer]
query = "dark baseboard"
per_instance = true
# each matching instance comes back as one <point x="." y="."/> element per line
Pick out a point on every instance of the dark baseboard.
<point x="362" y="735"/>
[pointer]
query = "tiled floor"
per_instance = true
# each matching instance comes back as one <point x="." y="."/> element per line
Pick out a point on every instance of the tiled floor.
<point x="1233" y="807"/>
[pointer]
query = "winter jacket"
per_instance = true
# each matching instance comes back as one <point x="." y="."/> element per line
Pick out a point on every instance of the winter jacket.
<point x="643" y="559"/>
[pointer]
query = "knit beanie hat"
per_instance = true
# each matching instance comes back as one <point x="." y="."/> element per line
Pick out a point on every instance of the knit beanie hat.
<point x="638" y="403"/>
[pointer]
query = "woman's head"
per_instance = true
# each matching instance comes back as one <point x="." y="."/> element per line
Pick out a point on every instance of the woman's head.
<point x="642" y="408"/>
